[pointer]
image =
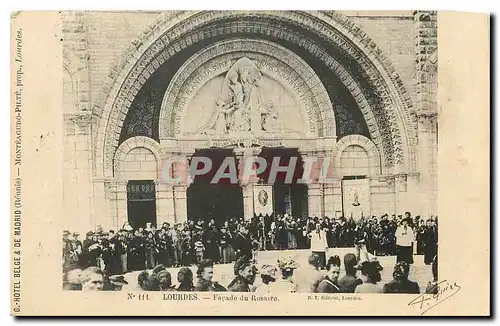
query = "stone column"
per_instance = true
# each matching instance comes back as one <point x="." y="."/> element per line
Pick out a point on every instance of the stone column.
<point x="77" y="171"/>
<point x="246" y="157"/>
<point x="179" y="194"/>
<point x="164" y="203"/>
<point x="180" y="203"/>
<point x="400" y="183"/>
<point x="427" y="145"/>
<point x="315" y="198"/>
<point x="248" y="209"/>
<point x="121" y="203"/>
<point x="426" y="54"/>
<point x="332" y="192"/>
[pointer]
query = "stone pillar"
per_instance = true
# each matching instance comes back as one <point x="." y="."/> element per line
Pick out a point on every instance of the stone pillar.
<point x="179" y="189"/>
<point x="164" y="203"/>
<point x="121" y="203"/>
<point x="332" y="192"/>
<point x="427" y="146"/>
<point x="400" y="183"/>
<point x="180" y="203"/>
<point x="314" y="199"/>
<point x="248" y="209"/>
<point x="78" y="175"/>
<point x="246" y="158"/>
<point x="426" y="107"/>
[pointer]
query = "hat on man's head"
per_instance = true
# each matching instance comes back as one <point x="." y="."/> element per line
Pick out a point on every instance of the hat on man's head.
<point x="241" y="263"/>
<point x="158" y="269"/>
<point x="75" y="234"/>
<point x="66" y="232"/>
<point x="118" y="280"/>
<point x="89" y="234"/>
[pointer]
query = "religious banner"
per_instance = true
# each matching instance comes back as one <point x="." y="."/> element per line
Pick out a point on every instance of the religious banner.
<point x="263" y="199"/>
<point x="356" y="198"/>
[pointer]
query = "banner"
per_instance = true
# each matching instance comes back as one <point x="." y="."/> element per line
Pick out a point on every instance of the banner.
<point x="263" y="199"/>
<point x="356" y="198"/>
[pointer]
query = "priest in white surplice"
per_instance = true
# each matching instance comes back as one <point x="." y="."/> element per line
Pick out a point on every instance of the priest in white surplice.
<point x="404" y="241"/>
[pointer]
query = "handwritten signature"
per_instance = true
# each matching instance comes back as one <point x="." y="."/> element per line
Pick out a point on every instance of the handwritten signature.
<point x="443" y="291"/>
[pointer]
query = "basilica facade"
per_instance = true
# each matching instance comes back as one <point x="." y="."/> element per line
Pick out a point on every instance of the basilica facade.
<point x="147" y="92"/>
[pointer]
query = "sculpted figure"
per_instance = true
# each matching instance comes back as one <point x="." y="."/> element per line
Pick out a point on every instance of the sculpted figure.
<point x="238" y="99"/>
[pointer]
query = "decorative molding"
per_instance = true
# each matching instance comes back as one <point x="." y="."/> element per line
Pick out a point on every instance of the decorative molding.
<point x="374" y="156"/>
<point x="130" y="144"/>
<point x="173" y="30"/>
<point x="426" y="58"/>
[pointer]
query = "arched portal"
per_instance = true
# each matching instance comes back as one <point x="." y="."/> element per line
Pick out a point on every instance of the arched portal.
<point x="244" y="81"/>
<point x="327" y="40"/>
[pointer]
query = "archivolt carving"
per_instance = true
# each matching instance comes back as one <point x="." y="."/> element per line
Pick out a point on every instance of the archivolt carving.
<point x="271" y="59"/>
<point x="335" y="28"/>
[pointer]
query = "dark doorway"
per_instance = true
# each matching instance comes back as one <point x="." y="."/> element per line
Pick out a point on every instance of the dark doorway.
<point x="289" y="197"/>
<point x="218" y="201"/>
<point x="141" y="203"/>
<point x="214" y="201"/>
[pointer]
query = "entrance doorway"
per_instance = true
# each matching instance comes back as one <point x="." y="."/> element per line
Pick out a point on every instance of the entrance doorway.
<point x="218" y="201"/>
<point x="290" y="197"/>
<point x="141" y="203"/>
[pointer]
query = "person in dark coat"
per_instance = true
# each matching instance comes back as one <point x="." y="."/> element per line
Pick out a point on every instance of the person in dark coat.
<point x="429" y="242"/>
<point x="245" y="276"/>
<point x="210" y="240"/>
<point x="85" y="257"/>
<point x="433" y="287"/>
<point x="401" y="283"/>
<point x="242" y="243"/>
<point x="348" y="282"/>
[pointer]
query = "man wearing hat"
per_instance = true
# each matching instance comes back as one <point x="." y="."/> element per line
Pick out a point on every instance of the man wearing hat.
<point x="115" y="283"/>
<point x="66" y="250"/>
<point x="429" y="241"/>
<point x="242" y="243"/>
<point x="77" y="247"/>
<point x="245" y="276"/>
<point x="85" y="256"/>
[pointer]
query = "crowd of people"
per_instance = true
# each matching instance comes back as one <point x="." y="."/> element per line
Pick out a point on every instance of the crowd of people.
<point x="135" y="249"/>
<point x="284" y="277"/>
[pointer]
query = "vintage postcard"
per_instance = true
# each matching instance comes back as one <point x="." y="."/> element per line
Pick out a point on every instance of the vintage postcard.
<point x="250" y="163"/>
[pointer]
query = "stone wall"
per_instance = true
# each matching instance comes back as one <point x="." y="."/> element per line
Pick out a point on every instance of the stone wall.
<point x="93" y="44"/>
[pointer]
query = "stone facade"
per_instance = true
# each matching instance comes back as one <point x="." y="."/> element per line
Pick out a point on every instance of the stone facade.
<point x="359" y="91"/>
